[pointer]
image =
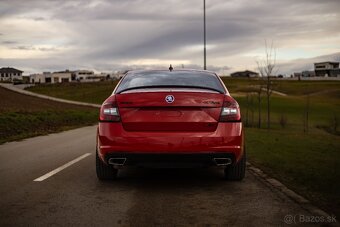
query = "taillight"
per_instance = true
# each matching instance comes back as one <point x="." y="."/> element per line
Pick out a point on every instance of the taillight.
<point x="230" y="111"/>
<point x="109" y="112"/>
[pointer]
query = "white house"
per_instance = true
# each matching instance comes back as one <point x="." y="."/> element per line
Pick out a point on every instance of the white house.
<point x="10" y="74"/>
<point x="327" y="69"/>
<point x="61" y="77"/>
<point x="82" y="75"/>
<point x="39" y="78"/>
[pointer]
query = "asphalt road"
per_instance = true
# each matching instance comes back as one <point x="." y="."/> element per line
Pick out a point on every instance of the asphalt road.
<point x="140" y="197"/>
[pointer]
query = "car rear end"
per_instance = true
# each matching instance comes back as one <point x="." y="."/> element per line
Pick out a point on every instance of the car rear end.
<point x="169" y="119"/>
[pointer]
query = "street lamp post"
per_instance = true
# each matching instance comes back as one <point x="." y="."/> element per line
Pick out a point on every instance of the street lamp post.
<point x="205" y="50"/>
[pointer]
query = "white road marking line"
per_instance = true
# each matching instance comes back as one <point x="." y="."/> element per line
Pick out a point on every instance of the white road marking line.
<point x="49" y="174"/>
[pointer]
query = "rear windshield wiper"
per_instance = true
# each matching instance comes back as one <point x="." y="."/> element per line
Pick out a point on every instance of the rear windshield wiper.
<point x="171" y="86"/>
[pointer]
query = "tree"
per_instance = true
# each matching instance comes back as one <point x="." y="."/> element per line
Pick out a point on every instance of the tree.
<point x="259" y="92"/>
<point x="306" y="115"/>
<point x="266" y="66"/>
<point x="247" y="105"/>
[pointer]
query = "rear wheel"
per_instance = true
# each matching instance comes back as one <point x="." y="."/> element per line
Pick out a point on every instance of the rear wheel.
<point x="104" y="171"/>
<point x="237" y="171"/>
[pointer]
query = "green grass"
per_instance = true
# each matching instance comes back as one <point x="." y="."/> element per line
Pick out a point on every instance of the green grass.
<point x="16" y="125"/>
<point x="95" y="92"/>
<point x="308" y="163"/>
<point x="290" y="87"/>
<point x="321" y="112"/>
<point x="24" y="116"/>
<point x="305" y="87"/>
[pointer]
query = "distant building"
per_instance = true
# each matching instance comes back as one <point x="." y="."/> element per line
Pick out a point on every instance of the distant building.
<point x="48" y="77"/>
<point x="297" y="74"/>
<point x="26" y="79"/>
<point x="10" y="74"/>
<point x="61" y="77"/>
<point x="82" y="75"/>
<point x="246" y="73"/>
<point x="327" y="69"/>
<point x="37" y="78"/>
<point x="308" y="74"/>
<point x="45" y="77"/>
<point x="70" y="76"/>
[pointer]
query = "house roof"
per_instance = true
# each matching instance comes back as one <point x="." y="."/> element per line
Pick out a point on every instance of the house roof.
<point x="330" y="62"/>
<point x="9" y="70"/>
<point x="244" y="72"/>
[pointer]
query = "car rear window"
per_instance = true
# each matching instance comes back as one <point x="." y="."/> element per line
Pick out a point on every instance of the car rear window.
<point x="191" y="79"/>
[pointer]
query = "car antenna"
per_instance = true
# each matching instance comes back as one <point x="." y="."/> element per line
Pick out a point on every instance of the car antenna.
<point x="171" y="68"/>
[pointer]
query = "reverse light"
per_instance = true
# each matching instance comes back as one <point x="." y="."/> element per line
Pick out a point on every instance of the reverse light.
<point x="109" y="112"/>
<point x="230" y="111"/>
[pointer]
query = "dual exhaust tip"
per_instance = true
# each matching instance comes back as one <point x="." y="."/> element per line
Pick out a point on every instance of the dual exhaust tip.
<point x="117" y="162"/>
<point x="120" y="162"/>
<point x="222" y="161"/>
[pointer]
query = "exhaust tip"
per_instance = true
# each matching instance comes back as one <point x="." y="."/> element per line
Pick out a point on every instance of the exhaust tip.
<point x="117" y="161"/>
<point x="222" y="161"/>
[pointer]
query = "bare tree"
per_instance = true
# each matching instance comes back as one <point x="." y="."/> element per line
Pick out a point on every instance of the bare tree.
<point x="259" y="92"/>
<point x="247" y="105"/>
<point x="306" y="116"/>
<point x="334" y="123"/>
<point x="266" y="68"/>
<point x="252" y="110"/>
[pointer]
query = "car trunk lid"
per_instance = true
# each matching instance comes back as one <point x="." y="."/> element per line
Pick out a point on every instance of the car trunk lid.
<point x="170" y="111"/>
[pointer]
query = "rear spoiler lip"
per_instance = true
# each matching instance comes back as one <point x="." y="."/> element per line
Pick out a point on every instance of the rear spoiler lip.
<point x="172" y="87"/>
<point x="156" y="89"/>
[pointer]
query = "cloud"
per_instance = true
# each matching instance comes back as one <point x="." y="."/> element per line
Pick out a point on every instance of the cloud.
<point x="106" y="34"/>
<point x="33" y="48"/>
<point x="39" y="18"/>
<point x="23" y="48"/>
<point x="8" y="42"/>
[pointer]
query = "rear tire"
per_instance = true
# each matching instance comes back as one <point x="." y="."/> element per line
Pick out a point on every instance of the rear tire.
<point x="236" y="172"/>
<point x="104" y="171"/>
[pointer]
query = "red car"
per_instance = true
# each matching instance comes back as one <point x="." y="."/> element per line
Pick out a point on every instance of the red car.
<point x="170" y="119"/>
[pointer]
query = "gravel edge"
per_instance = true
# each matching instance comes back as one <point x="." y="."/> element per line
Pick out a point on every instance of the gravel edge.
<point x="303" y="202"/>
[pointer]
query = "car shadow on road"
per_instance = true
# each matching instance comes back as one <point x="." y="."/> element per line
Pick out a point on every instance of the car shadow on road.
<point x="169" y="178"/>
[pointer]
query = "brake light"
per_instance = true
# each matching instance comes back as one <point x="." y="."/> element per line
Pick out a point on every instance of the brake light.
<point x="230" y="111"/>
<point x="109" y="112"/>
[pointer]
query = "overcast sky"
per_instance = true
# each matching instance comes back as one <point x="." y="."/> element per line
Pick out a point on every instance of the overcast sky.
<point x="48" y="35"/>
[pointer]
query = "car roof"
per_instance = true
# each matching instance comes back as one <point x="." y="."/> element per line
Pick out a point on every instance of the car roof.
<point x="174" y="70"/>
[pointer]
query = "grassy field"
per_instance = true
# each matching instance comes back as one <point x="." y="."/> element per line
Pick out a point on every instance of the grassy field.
<point x="24" y="116"/>
<point x="95" y="92"/>
<point x="308" y="162"/>
<point x="290" y="87"/>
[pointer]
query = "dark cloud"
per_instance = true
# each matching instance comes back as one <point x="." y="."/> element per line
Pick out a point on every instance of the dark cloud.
<point x="9" y="42"/>
<point x="33" y="48"/>
<point x="23" y="48"/>
<point x="47" y="48"/>
<point x="38" y="18"/>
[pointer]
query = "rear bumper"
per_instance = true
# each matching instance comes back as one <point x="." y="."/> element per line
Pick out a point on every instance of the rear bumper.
<point x="178" y="160"/>
<point x="173" y="147"/>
